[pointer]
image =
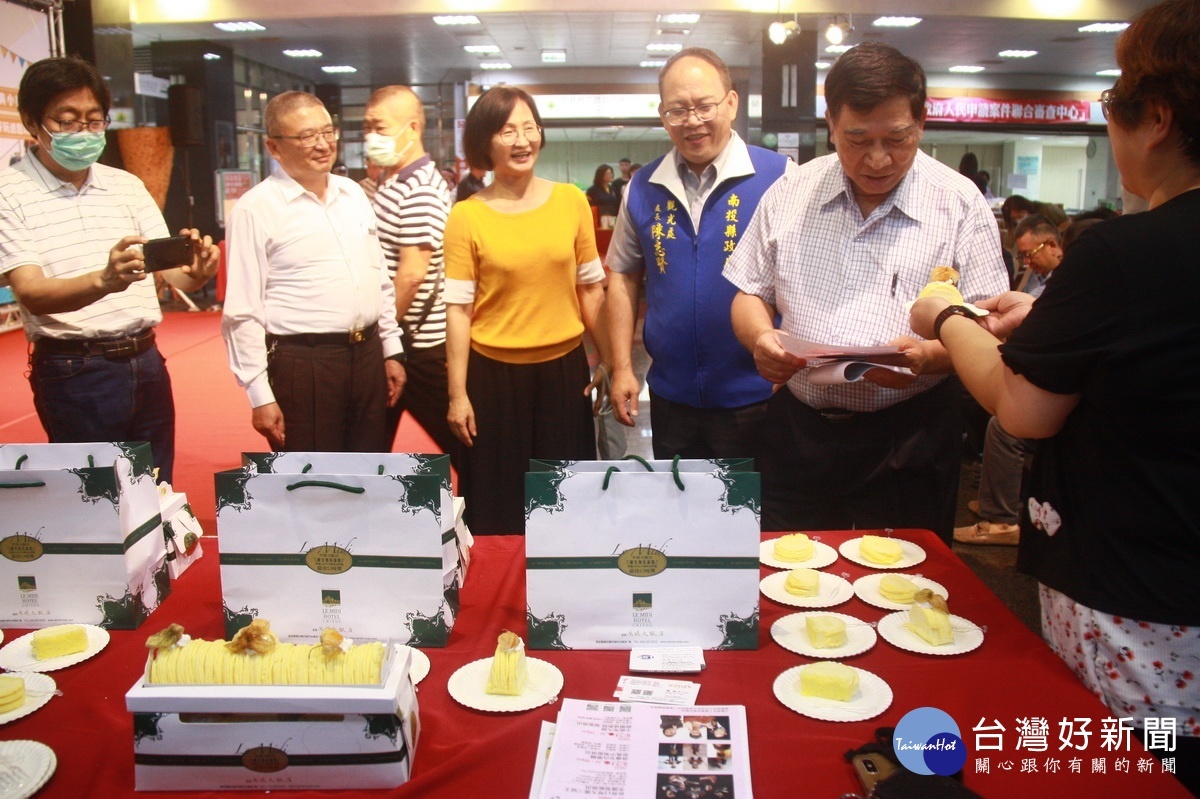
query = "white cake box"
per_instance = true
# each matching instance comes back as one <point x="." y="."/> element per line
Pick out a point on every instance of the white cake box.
<point x="286" y="737"/>
<point x="180" y="528"/>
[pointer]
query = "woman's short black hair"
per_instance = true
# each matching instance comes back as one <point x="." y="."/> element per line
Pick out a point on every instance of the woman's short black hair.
<point x="488" y="117"/>
<point x="46" y="79"/>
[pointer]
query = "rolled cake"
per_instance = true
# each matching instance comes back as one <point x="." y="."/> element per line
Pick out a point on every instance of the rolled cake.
<point x="895" y="588"/>
<point x="943" y="282"/>
<point x="802" y="582"/>
<point x="825" y="632"/>
<point x="877" y="549"/>
<point x="793" y="548"/>
<point x="509" y="670"/>
<point x="12" y="693"/>
<point x="930" y="618"/>
<point x="255" y="656"/>
<point x="56" y="642"/>
<point x="829" y="680"/>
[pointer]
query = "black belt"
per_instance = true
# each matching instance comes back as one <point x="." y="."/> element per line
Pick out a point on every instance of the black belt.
<point x="111" y="348"/>
<point x="346" y="339"/>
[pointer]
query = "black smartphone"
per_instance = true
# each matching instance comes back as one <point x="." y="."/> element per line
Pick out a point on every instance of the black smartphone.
<point x="167" y="253"/>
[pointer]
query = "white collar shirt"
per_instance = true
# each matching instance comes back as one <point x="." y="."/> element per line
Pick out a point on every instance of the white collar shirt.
<point x="298" y="263"/>
<point x="67" y="232"/>
<point x="837" y="278"/>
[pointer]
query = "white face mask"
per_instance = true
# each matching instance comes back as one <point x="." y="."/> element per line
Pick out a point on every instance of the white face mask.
<point x="382" y="149"/>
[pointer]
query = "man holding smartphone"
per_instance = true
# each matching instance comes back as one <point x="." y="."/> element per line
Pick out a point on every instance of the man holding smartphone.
<point x="71" y="233"/>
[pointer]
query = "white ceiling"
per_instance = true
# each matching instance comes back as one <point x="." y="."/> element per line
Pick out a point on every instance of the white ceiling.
<point x="606" y="47"/>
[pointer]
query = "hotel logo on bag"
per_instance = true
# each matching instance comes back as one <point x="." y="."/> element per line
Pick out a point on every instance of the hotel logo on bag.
<point x="21" y="548"/>
<point x="329" y="559"/>
<point x="642" y="562"/>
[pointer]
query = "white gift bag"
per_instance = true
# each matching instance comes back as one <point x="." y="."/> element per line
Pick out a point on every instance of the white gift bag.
<point x="361" y="542"/>
<point x="618" y="556"/>
<point x="81" y="537"/>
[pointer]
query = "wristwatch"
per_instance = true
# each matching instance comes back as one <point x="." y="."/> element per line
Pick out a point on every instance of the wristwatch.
<point x="947" y="312"/>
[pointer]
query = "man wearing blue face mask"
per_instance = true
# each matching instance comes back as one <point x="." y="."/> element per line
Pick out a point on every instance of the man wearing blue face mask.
<point x="71" y="233"/>
<point x="411" y="204"/>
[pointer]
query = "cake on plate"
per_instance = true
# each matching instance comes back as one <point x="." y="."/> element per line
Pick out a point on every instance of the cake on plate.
<point x="930" y="618"/>
<point x="825" y="632"/>
<point x="829" y="680"/>
<point x="509" y="670"/>
<point x="793" y="548"/>
<point x="877" y="549"/>
<point x="12" y="693"/>
<point x="802" y="582"/>
<point x="56" y="642"/>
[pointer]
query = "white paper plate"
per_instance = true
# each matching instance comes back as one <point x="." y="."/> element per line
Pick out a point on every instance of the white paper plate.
<point x="831" y="590"/>
<point x="419" y="668"/>
<point x="910" y="554"/>
<point x="18" y="655"/>
<point x="873" y="697"/>
<point x="543" y="687"/>
<point x="791" y="633"/>
<point x="39" y="689"/>
<point x="822" y="556"/>
<point x="867" y="589"/>
<point x="894" y="629"/>
<point x="25" y="766"/>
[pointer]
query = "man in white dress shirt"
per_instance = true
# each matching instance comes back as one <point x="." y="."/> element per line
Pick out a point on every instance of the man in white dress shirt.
<point x="838" y="249"/>
<point x="310" y="310"/>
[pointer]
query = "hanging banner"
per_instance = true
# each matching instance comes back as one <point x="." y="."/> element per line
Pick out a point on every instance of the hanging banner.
<point x="24" y="38"/>
<point x="1024" y="111"/>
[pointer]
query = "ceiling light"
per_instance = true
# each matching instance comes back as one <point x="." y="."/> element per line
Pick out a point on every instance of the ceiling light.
<point x="838" y="49"/>
<point x="1109" y="73"/>
<point x="672" y="31"/>
<point x="822" y="65"/>
<point x="211" y="57"/>
<point x="838" y="30"/>
<point x="481" y="49"/>
<point x="494" y="65"/>
<point x="780" y="32"/>
<point x="1104" y="27"/>
<point x="554" y="56"/>
<point x="678" y="19"/>
<point x="652" y="64"/>
<point x="303" y="53"/>
<point x="456" y="19"/>
<point x="339" y="69"/>
<point x="664" y="47"/>
<point x="896" y="22"/>
<point x="1017" y="53"/>
<point x="966" y="68"/>
<point x="238" y="27"/>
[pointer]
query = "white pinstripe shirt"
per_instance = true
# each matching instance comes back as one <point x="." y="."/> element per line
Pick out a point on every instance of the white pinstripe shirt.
<point x="67" y="232"/>
<point x="837" y="278"/>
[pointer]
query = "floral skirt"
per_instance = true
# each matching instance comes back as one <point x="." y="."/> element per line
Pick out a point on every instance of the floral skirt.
<point x="1137" y="668"/>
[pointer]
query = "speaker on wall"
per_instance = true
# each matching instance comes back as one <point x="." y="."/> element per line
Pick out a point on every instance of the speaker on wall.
<point x="185" y="107"/>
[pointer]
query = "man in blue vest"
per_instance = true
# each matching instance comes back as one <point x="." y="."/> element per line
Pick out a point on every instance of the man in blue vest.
<point x="838" y="250"/>
<point x="681" y="217"/>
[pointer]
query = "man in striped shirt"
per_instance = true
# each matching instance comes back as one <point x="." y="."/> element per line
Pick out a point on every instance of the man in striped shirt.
<point x="838" y="249"/>
<point x="411" y="205"/>
<point x="71" y="232"/>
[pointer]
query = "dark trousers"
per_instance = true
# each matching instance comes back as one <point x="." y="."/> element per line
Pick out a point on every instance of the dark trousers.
<point x="897" y="467"/>
<point x="705" y="432"/>
<point x="83" y="398"/>
<point x="427" y="398"/>
<point x="333" y="396"/>
<point x="522" y="411"/>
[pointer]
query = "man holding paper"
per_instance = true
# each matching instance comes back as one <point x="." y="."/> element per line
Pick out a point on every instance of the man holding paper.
<point x="838" y="250"/>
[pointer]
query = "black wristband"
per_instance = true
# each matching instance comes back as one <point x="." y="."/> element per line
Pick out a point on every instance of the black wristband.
<point x="399" y="357"/>
<point x="947" y="312"/>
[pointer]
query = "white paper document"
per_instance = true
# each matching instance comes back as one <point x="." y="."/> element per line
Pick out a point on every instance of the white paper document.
<point x="814" y="351"/>
<point x="656" y="692"/>
<point x="614" y="750"/>
<point x="839" y="372"/>
<point x="666" y="658"/>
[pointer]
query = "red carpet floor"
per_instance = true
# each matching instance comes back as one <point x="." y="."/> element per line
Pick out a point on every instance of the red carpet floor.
<point x="212" y="412"/>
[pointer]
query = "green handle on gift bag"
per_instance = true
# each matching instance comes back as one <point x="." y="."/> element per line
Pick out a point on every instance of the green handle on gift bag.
<point x="674" y="471"/>
<point x="326" y="484"/>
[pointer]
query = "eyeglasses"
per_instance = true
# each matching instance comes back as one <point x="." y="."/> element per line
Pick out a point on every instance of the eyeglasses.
<point x="308" y="140"/>
<point x="1025" y="256"/>
<point x="1106" y="100"/>
<point x="705" y="112"/>
<point x="80" y="125"/>
<point x="508" y="136"/>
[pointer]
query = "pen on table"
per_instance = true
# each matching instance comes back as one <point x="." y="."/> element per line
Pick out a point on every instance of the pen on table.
<point x="895" y="278"/>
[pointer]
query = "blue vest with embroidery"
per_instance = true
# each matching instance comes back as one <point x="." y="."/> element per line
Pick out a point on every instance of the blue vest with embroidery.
<point x="697" y="359"/>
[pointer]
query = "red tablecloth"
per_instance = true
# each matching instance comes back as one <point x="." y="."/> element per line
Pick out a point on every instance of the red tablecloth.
<point x="466" y="753"/>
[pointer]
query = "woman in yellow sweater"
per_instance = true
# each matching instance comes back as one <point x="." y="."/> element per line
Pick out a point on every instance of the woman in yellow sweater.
<point x="523" y="281"/>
